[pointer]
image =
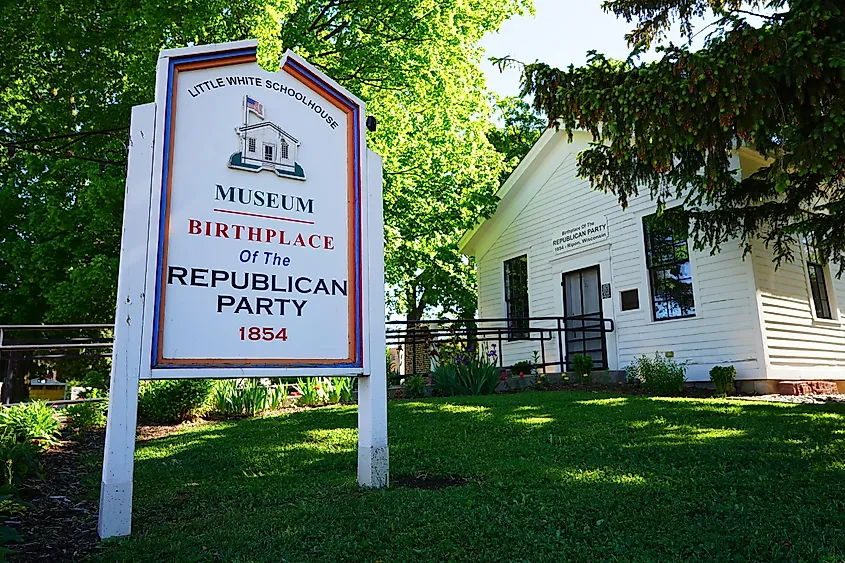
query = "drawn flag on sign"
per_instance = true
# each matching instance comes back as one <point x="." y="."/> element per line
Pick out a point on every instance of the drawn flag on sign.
<point x="255" y="107"/>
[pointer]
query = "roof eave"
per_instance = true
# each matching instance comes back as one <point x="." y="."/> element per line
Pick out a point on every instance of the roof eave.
<point x="465" y="244"/>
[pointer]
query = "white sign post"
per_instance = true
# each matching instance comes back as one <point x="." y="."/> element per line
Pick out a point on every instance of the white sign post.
<point x="252" y="245"/>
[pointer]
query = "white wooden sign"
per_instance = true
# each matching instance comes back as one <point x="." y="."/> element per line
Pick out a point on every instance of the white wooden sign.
<point x="252" y="244"/>
<point x="580" y="235"/>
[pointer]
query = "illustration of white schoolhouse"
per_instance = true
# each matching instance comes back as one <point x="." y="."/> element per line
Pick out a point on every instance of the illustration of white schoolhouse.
<point x="556" y="247"/>
<point x="265" y="146"/>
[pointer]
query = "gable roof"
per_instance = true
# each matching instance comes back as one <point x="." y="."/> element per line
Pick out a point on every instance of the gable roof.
<point x="546" y="156"/>
<point x="269" y="124"/>
<point x="551" y="150"/>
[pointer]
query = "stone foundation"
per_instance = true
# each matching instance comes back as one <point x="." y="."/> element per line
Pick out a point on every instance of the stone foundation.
<point x="807" y="388"/>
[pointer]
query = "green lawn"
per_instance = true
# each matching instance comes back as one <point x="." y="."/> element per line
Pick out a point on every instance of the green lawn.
<point x="553" y="476"/>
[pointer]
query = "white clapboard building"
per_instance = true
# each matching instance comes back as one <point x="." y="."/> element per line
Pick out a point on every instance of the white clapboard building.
<point x="267" y="145"/>
<point x="264" y="145"/>
<point x="556" y="247"/>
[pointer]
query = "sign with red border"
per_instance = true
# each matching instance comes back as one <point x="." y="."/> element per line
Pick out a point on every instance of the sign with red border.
<point x="260" y="243"/>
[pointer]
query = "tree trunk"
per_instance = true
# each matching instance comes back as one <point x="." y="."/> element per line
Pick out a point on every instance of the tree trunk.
<point x="20" y="391"/>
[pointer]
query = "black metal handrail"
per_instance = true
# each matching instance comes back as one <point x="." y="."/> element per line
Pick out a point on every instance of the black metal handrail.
<point x="430" y="332"/>
<point x="471" y="332"/>
<point x="39" y="342"/>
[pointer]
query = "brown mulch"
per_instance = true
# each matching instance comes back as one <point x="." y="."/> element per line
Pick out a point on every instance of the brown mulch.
<point x="147" y="432"/>
<point x="60" y="520"/>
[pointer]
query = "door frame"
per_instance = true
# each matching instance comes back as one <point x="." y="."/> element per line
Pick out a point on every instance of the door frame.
<point x="602" y="335"/>
<point x="598" y="256"/>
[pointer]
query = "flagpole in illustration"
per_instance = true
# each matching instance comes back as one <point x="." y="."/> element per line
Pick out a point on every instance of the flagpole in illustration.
<point x="246" y="112"/>
<point x="278" y="149"/>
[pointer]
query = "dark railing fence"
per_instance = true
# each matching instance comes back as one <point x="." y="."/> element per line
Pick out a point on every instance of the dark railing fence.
<point x="417" y="339"/>
<point x="21" y="344"/>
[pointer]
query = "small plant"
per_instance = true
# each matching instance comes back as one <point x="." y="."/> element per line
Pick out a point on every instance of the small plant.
<point x="524" y="367"/>
<point x="18" y="458"/>
<point x="312" y="391"/>
<point x="469" y="376"/>
<point x="82" y="417"/>
<point x="723" y="379"/>
<point x="445" y="379"/>
<point x="415" y="387"/>
<point x="10" y="503"/>
<point x="253" y="397"/>
<point x="278" y="397"/>
<point x="32" y="422"/>
<point x="223" y="397"/>
<point x="247" y="397"/>
<point x="658" y="374"/>
<point x="26" y="430"/>
<point x="583" y="366"/>
<point x="392" y="371"/>
<point x="173" y="400"/>
<point x="338" y="389"/>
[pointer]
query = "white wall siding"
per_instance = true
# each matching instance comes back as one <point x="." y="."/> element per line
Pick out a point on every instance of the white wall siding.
<point x="724" y="330"/>
<point x="798" y="345"/>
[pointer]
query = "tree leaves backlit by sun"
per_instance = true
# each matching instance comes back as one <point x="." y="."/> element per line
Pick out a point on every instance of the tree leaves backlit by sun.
<point x="81" y="66"/>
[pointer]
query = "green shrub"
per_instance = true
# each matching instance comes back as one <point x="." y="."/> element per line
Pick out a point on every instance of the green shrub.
<point x="86" y="416"/>
<point x="173" y="400"/>
<point x="33" y="422"/>
<point x="658" y="374"/>
<point x="723" y="379"/>
<point x="524" y="367"/>
<point x="445" y="379"/>
<point x="223" y="397"/>
<point x="18" y="458"/>
<point x="582" y="364"/>
<point x="254" y="397"/>
<point x="26" y="430"/>
<point x="415" y="386"/>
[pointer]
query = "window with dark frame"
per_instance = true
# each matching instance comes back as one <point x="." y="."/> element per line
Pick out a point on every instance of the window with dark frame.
<point x="268" y="152"/>
<point x="630" y="299"/>
<point x="669" y="272"/>
<point x="516" y="297"/>
<point x="251" y="144"/>
<point x="818" y="282"/>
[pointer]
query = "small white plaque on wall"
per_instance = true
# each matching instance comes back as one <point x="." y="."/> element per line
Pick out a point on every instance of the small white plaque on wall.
<point x="579" y="235"/>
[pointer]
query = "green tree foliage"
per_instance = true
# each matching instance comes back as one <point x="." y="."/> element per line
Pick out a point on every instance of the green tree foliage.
<point x="74" y="66"/>
<point x="417" y="66"/>
<point x="516" y="129"/>
<point x="71" y="66"/>
<point x="671" y="126"/>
